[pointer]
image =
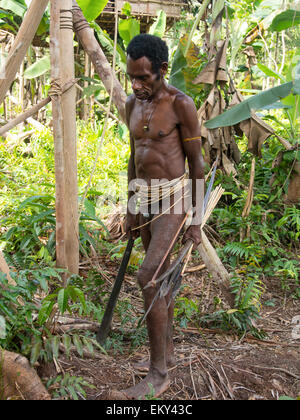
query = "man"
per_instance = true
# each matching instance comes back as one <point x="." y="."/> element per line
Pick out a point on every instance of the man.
<point x="164" y="131"/>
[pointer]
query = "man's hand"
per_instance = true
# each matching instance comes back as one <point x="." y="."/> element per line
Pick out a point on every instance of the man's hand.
<point x="131" y="223"/>
<point x="193" y="233"/>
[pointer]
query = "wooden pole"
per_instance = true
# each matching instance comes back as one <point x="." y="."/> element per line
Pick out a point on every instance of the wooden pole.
<point x="55" y="94"/>
<point x="64" y="130"/>
<point x="70" y="137"/>
<point x="21" y="44"/>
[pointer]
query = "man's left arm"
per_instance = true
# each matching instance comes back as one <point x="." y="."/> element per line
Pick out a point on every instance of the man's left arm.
<point x="192" y="146"/>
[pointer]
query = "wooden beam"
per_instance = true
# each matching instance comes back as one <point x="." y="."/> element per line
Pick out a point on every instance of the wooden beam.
<point x="21" y="44"/>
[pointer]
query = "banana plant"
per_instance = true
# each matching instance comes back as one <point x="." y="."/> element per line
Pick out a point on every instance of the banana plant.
<point x="12" y="13"/>
<point x="288" y="92"/>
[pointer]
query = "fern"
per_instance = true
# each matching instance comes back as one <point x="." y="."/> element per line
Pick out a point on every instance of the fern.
<point x="237" y="249"/>
<point x="248" y="292"/>
<point x="291" y="221"/>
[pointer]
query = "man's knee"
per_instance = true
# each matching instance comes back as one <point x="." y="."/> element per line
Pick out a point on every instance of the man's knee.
<point x="144" y="275"/>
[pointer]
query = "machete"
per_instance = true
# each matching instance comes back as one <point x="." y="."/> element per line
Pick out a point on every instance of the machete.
<point x="108" y="314"/>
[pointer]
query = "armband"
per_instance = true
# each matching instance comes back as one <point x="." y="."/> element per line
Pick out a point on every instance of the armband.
<point x="192" y="138"/>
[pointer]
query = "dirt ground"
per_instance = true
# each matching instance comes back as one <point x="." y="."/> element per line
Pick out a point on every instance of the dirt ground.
<point x="211" y="364"/>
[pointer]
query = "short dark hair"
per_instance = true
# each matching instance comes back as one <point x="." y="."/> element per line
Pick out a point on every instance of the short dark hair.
<point x="150" y="46"/>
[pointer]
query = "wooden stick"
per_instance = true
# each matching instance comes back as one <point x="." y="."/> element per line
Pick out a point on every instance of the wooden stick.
<point x="21" y="44"/>
<point x="32" y="111"/>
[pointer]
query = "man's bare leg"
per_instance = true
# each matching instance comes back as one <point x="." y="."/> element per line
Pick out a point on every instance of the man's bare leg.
<point x="143" y="366"/>
<point x="159" y="326"/>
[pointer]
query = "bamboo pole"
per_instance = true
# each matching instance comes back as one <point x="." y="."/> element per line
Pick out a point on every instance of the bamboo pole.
<point x="90" y="44"/>
<point x="21" y="44"/>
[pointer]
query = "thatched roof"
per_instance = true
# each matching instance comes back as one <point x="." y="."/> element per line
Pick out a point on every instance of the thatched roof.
<point x="145" y="10"/>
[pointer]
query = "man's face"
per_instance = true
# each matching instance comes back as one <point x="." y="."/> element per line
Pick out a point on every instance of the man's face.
<point x="144" y="82"/>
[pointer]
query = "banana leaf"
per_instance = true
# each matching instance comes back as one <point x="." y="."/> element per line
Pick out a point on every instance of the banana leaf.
<point x="17" y="7"/>
<point x="91" y="8"/>
<point x="176" y="76"/>
<point x="38" y="68"/>
<point x="242" y="111"/>
<point x="158" y="28"/>
<point x="296" y="89"/>
<point x="128" y="29"/>
<point x="285" y="20"/>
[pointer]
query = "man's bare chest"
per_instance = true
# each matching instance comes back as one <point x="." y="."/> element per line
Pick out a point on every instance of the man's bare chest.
<point x="154" y="121"/>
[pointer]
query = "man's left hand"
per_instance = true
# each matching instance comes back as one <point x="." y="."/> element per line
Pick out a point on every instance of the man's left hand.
<point x="193" y="233"/>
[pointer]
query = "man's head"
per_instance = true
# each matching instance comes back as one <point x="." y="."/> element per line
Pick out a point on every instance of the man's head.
<point x="150" y="46"/>
<point x="147" y="64"/>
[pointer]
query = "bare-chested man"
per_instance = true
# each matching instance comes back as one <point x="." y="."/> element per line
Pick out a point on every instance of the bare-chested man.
<point x="164" y="131"/>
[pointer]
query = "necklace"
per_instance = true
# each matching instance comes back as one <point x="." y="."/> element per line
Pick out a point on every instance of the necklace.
<point x="146" y="126"/>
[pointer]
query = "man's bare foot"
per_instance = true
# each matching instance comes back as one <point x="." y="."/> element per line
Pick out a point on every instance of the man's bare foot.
<point x="154" y="384"/>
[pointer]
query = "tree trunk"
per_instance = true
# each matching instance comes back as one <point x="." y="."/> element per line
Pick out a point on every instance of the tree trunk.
<point x="18" y="380"/>
<point x="91" y="46"/>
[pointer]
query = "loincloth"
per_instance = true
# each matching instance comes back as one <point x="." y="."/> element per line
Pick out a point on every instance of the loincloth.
<point x="161" y="198"/>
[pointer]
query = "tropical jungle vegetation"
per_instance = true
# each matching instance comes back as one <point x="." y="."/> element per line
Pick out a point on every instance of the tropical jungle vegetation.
<point x="240" y="62"/>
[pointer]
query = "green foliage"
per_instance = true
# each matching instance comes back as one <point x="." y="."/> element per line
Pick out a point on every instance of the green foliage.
<point x="285" y="20"/>
<point x="38" y="68"/>
<point x="68" y="387"/>
<point x="242" y="111"/>
<point x="158" y="28"/>
<point x="185" y="311"/>
<point x="17" y="307"/>
<point x="18" y="7"/>
<point x="91" y="8"/>
<point x="26" y="329"/>
<point x="248" y="289"/>
<point x="128" y="29"/>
